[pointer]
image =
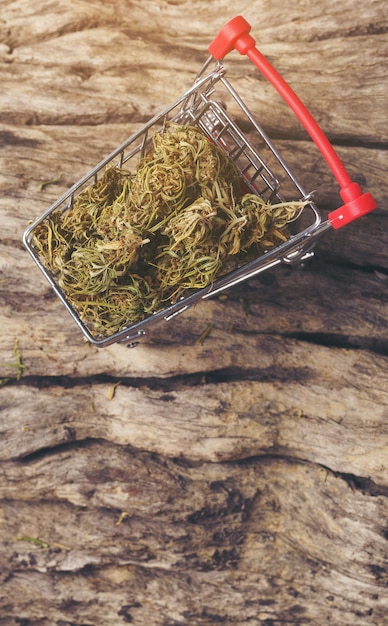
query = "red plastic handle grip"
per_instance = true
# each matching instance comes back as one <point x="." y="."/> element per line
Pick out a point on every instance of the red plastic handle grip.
<point x="235" y="36"/>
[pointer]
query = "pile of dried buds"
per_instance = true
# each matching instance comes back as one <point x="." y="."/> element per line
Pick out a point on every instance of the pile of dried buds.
<point x="134" y="242"/>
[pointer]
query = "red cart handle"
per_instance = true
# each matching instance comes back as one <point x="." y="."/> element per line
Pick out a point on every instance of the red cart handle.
<point x="235" y="35"/>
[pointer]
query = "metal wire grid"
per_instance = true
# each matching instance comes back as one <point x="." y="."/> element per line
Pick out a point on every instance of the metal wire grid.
<point x="201" y="106"/>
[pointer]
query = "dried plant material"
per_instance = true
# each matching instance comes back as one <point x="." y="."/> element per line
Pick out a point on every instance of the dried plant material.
<point x="204" y="335"/>
<point x="122" y="517"/>
<point x="18" y="365"/>
<point x="34" y="540"/>
<point x="112" y="390"/>
<point x="132" y="243"/>
<point x="46" y="183"/>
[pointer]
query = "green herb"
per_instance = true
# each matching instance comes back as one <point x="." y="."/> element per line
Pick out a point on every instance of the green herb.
<point x="204" y="334"/>
<point x="46" y="183"/>
<point x="18" y="364"/>
<point x="34" y="540"/>
<point x="134" y="241"/>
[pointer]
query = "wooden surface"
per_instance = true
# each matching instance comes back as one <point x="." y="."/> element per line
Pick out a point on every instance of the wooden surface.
<point x="233" y="467"/>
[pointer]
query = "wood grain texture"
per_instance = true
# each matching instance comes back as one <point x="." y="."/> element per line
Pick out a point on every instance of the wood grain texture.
<point x="156" y="541"/>
<point x="232" y="469"/>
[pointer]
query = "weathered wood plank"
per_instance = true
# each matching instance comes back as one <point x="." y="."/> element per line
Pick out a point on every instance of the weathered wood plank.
<point x="214" y="534"/>
<point x="239" y="478"/>
<point x="114" y="66"/>
<point x="132" y="87"/>
<point x="278" y="412"/>
<point x="320" y="303"/>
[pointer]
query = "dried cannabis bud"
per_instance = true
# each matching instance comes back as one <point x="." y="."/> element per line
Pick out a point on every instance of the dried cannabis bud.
<point x="133" y="242"/>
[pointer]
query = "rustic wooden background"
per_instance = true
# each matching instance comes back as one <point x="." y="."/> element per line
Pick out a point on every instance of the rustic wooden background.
<point x="234" y="478"/>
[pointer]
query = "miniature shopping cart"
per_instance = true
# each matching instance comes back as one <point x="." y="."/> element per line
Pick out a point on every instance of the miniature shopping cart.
<point x="213" y="105"/>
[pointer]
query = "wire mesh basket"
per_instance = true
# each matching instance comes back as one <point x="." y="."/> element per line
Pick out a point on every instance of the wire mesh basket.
<point x="262" y="171"/>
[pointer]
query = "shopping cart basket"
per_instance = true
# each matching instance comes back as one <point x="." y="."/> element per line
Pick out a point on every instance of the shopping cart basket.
<point x="213" y="105"/>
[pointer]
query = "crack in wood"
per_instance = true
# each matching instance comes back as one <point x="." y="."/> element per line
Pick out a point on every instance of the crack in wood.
<point x="173" y="382"/>
<point x="337" y="340"/>
<point x="363" y="484"/>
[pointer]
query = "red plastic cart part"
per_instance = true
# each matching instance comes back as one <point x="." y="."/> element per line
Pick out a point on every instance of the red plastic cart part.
<point x="235" y="36"/>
